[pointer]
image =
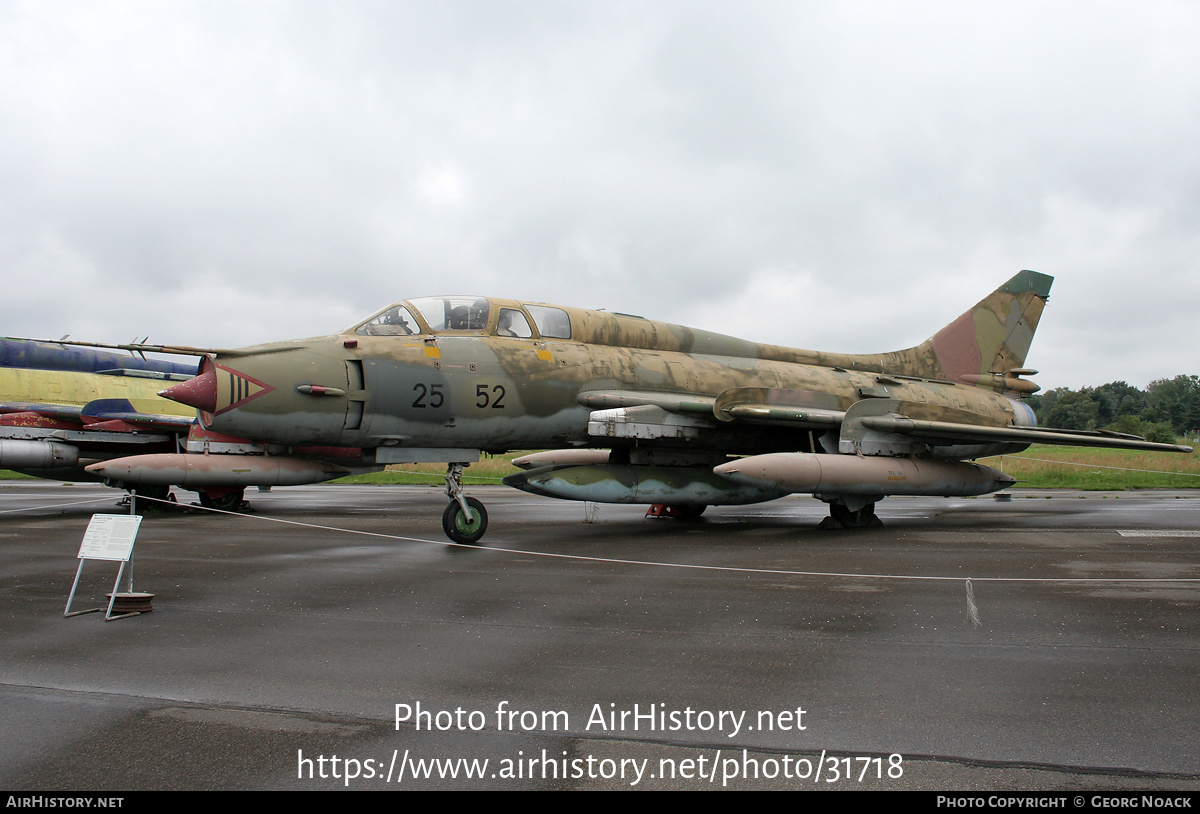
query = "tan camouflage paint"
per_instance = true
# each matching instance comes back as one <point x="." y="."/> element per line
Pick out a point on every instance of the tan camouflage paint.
<point x="476" y="389"/>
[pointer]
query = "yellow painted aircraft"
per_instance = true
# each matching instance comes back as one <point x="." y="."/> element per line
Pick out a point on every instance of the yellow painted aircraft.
<point x="63" y="408"/>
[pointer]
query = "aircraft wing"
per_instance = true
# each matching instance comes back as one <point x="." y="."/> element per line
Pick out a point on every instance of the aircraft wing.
<point x="171" y="350"/>
<point x="887" y="416"/>
<point x="803" y="409"/>
<point x="107" y="415"/>
<point x="105" y="410"/>
<point x="946" y="432"/>
<point x="60" y="412"/>
<point x="133" y="347"/>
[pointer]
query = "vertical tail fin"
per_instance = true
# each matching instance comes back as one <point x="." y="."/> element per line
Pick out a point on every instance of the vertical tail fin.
<point x="990" y="341"/>
<point x="986" y="346"/>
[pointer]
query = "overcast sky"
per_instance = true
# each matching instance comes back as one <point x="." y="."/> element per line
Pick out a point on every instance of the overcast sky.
<point x="845" y="176"/>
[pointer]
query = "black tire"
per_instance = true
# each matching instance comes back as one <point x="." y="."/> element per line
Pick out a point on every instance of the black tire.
<point x="861" y="519"/>
<point x="691" y="511"/>
<point x="155" y="494"/>
<point x="227" y="502"/>
<point x="463" y="529"/>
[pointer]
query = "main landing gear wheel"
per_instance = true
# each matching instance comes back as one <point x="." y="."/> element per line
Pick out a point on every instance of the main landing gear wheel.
<point x="461" y="527"/>
<point x="686" y="512"/>
<point x="154" y="492"/>
<point x="225" y="501"/>
<point x="842" y="517"/>
<point x="156" y="498"/>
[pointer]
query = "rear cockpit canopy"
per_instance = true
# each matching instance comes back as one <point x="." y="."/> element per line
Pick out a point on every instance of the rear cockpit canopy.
<point x="477" y="315"/>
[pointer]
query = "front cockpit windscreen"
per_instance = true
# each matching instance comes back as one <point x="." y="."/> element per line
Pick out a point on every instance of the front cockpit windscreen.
<point x="453" y="313"/>
<point x="396" y="321"/>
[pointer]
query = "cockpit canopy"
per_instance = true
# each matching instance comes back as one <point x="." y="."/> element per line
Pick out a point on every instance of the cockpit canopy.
<point x="479" y="315"/>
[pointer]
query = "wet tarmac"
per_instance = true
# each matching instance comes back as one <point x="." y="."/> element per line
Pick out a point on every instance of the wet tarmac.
<point x="590" y="647"/>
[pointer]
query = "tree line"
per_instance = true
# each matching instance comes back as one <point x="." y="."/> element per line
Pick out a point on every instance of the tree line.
<point x="1165" y="410"/>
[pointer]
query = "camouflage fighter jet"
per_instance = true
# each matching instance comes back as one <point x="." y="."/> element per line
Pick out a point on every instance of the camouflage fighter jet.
<point x="636" y="411"/>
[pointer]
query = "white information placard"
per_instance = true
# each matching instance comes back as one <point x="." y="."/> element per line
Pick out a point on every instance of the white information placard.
<point x="110" y="537"/>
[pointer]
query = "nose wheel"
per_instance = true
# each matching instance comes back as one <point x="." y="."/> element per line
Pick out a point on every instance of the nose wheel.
<point x="464" y="520"/>
<point x="465" y="527"/>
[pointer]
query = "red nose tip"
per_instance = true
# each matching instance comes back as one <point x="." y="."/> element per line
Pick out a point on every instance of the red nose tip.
<point x="199" y="392"/>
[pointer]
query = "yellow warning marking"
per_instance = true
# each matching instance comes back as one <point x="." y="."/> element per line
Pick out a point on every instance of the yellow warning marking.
<point x="433" y="353"/>
<point x="545" y="356"/>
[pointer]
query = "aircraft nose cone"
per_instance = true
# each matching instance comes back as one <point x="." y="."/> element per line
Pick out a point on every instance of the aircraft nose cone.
<point x="199" y="392"/>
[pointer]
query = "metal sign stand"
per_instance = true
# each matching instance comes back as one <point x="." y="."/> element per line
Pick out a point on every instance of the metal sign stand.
<point x="108" y="537"/>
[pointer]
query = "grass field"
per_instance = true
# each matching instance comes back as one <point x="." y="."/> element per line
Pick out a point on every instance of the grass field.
<point x="7" y="475"/>
<point x="1042" y="467"/>
<point x="1072" y="468"/>
<point x="487" y="470"/>
<point x="1039" y="467"/>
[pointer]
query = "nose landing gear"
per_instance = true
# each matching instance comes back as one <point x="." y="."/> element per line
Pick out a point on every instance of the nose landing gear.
<point x="465" y="519"/>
